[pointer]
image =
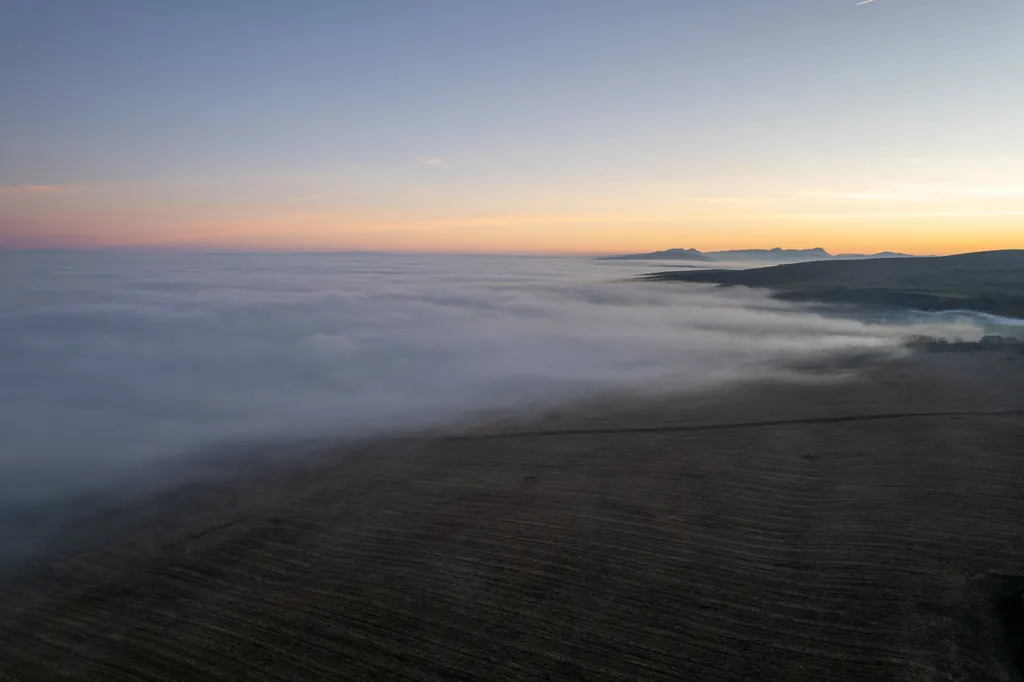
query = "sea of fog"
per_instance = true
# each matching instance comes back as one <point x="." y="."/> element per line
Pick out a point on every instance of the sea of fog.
<point x="110" y="362"/>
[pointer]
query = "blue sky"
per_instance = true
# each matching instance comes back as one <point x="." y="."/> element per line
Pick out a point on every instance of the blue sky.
<point x="148" y="122"/>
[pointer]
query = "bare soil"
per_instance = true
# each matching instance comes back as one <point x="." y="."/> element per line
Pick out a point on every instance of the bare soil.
<point x="857" y="530"/>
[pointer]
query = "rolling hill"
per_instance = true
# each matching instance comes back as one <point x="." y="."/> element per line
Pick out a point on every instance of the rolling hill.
<point x="987" y="281"/>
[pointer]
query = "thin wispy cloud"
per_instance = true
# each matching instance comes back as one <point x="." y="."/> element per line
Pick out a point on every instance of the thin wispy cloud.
<point x="893" y="196"/>
<point x="30" y="190"/>
<point x="918" y="193"/>
<point x="978" y="190"/>
<point x="433" y="161"/>
<point x="877" y="215"/>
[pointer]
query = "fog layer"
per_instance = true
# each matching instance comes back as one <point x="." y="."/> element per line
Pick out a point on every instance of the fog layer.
<point x="110" y="361"/>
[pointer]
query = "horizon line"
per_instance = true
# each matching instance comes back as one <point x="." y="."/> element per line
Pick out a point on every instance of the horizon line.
<point x="198" y="250"/>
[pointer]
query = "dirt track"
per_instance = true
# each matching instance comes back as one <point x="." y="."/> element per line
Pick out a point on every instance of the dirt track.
<point x="854" y="531"/>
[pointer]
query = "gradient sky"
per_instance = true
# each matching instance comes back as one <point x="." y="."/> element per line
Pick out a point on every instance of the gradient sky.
<point x="518" y="125"/>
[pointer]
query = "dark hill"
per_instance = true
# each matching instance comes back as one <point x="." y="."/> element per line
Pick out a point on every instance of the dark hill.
<point x="668" y="254"/>
<point x="988" y="281"/>
<point x="816" y="253"/>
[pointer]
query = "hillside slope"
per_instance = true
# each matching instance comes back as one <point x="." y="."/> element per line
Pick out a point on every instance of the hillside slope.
<point x="853" y="531"/>
<point x="988" y="281"/>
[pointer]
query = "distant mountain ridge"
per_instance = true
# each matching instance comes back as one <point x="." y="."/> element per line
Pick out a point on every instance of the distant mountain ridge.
<point x="776" y="254"/>
<point x="667" y="254"/>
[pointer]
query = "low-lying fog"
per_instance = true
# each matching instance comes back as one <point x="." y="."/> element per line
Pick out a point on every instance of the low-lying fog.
<point x="109" y="361"/>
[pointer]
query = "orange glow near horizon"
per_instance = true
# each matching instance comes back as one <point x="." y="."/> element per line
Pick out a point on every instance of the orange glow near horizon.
<point x="552" y="234"/>
<point x="965" y="218"/>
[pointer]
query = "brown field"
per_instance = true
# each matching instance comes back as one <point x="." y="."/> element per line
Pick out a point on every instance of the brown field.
<point x="858" y="530"/>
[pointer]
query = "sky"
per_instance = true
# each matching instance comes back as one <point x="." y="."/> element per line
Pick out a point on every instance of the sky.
<point x="561" y="126"/>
